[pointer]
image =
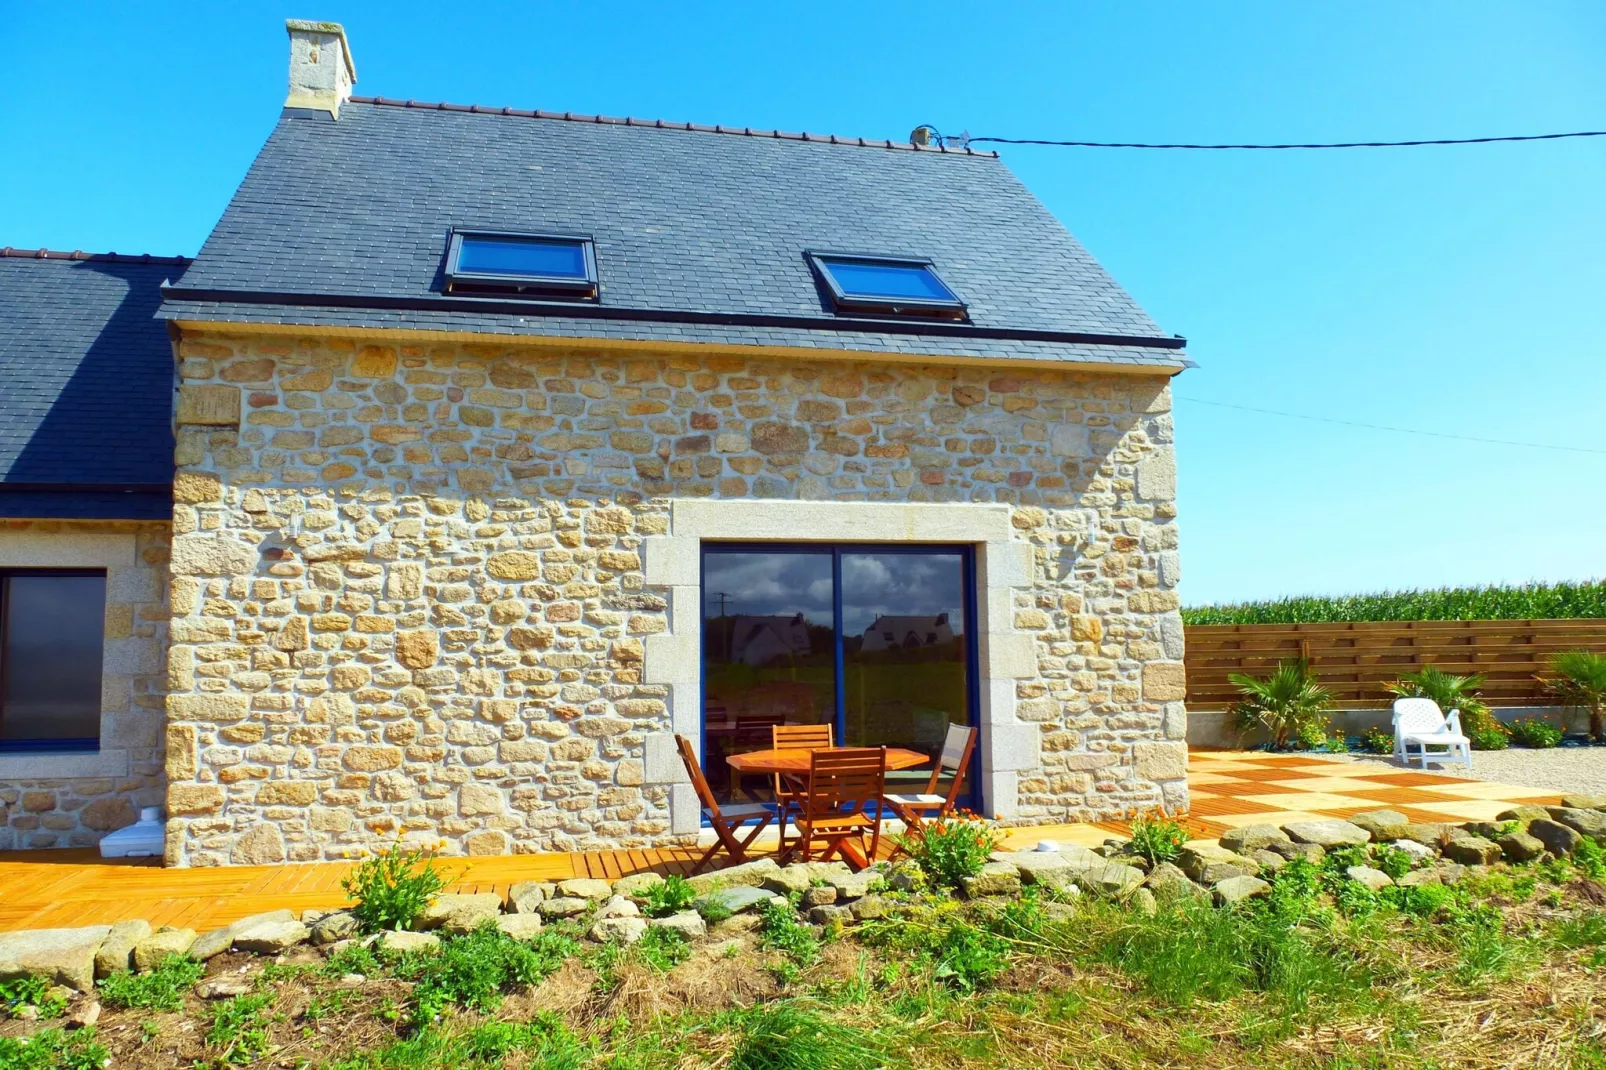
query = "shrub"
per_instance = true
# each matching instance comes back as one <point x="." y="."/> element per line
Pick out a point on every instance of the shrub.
<point x="53" y="1049"/>
<point x="1377" y="741"/>
<point x="1452" y="692"/>
<point x="162" y="989"/>
<point x="1580" y="681"/>
<point x="1157" y="838"/>
<point x="390" y="890"/>
<point x="1536" y="601"/>
<point x="1533" y="732"/>
<point x="474" y="969"/>
<point x="671" y="897"/>
<point x="239" y="1029"/>
<point x="1286" y="703"/>
<point x="948" y="850"/>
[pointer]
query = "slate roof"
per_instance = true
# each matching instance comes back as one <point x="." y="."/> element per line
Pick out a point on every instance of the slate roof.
<point x="699" y="235"/>
<point x="86" y="386"/>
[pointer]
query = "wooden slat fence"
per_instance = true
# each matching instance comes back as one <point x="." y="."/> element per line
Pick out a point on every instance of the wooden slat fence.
<point x="1355" y="660"/>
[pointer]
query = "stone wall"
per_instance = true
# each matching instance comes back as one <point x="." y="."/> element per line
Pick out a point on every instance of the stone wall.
<point x="73" y="799"/>
<point x="408" y="594"/>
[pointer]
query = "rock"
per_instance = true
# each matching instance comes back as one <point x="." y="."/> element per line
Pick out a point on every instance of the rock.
<point x="563" y="908"/>
<point x="1242" y="841"/>
<point x="116" y="951"/>
<point x="1489" y="830"/>
<point x="852" y="885"/>
<point x="1524" y="813"/>
<point x="520" y="926"/>
<point x="1449" y="872"/>
<point x="1418" y="877"/>
<point x="459" y="912"/>
<point x="585" y="888"/>
<point x="688" y="923"/>
<point x="271" y="937"/>
<point x="995" y="878"/>
<point x="1382" y="825"/>
<point x="619" y="907"/>
<point x="1237" y="889"/>
<point x="152" y="951"/>
<point x="870" y="907"/>
<point x="637" y="883"/>
<point x="825" y="915"/>
<point x="84" y="1015"/>
<point x="737" y="900"/>
<point x="1144" y="902"/>
<point x="1268" y="861"/>
<point x="789" y="880"/>
<point x="618" y="930"/>
<point x="62" y="956"/>
<point x="1584" y="802"/>
<point x="1049" y="867"/>
<point x="1290" y="850"/>
<point x="1427" y="833"/>
<point x="1471" y="850"/>
<point x="1374" y="879"/>
<point x="734" y="926"/>
<point x="400" y="941"/>
<point x="1209" y="862"/>
<point x="1560" y="840"/>
<point x="525" y="896"/>
<point x="1419" y="852"/>
<point x="1591" y="823"/>
<point x="830" y="871"/>
<point x="309" y="918"/>
<point x="826" y="895"/>
<point x="223" y="987"/>
<point x="1107" y="878"/>
<point x="1169" y="884"/>
<point x="746" y="875"/>
<point x="340" y="925"/>
<point x="26" y="1013"/>
<point x="211" y="944"/>
<point x="1521" y="846"/>
<point x="1327" y="834"/>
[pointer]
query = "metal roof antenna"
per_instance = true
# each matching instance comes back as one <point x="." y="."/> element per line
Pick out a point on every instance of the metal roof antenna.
<point x="924" y="135"/>
<point x="960" y="142"/>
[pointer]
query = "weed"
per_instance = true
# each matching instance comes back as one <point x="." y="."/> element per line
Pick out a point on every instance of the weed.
<point x="1157" y="838"/>
<point x="239" y="1029"/>
<point x="1422" y="900"/>
<point x="162" y="989"/>
<point x="781" y="931"/>
<point x="390" y="890"/>
<point x="54" y="1049"/>
<point x="473" y="970"/>
<point x="714" y="910"/>
<point x="30" y="991"/>
<point x="967" y="957"/>
<point x="948" y="850"/>
<point x="353" y="958"/>
<point x="663" y="949"/>
<point x="328" y="1004"/>
<point x="792" y="1036"/>
<point x="1393" y="861"/>
<point x="1590" y="858"/>
<point x="671" y="897"/>
<point x="1586" y="930"/>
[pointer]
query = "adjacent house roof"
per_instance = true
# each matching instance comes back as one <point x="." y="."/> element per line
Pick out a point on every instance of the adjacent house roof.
<point x="86" y="386"/>
<point x="700" y="235"/>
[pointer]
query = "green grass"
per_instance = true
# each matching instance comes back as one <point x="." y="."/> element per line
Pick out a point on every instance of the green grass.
<point x="543" y="1042"/>
<point x="1538" y="601"/>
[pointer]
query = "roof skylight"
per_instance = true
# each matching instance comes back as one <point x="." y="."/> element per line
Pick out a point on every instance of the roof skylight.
<point x="548" y="266"/>
<point x="886" y="285"/>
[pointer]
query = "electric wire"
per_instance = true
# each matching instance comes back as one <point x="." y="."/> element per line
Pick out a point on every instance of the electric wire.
<point x="1302" y="145"/>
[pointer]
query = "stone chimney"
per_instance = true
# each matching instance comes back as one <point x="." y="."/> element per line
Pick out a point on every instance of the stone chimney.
<point x="321" y="70"/>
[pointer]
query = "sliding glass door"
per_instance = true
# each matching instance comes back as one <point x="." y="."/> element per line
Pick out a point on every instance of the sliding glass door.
<point x="877" y="641"/>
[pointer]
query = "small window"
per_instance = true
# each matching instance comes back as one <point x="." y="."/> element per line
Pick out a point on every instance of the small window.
<point x="887" y="286"/>
<point x="547" y="266"/>
<point x="52" y="628"/>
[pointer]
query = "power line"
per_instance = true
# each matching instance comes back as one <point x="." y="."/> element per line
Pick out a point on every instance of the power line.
<point x="1306" y="145"/>
<point x="1399" y="430"/>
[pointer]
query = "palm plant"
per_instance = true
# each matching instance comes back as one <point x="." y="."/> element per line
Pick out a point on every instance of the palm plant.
<point x="1283" y="703"/>
<point x="1452" y="692"/>
<point x="1581" y="681"/>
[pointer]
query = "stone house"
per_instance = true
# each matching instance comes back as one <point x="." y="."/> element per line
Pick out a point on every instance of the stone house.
<point x="489" y="423"/>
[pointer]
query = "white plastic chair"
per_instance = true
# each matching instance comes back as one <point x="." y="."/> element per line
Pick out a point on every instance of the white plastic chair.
<point x="1419" y="723"/>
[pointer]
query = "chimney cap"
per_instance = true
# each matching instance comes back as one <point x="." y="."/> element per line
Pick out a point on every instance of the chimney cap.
<point x="313" y="26"/>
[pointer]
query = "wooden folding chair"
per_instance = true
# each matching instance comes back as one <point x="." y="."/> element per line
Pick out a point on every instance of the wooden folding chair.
<point x="915" y="807"/>
<point x="838" y="805"/>
<point x="726" y="820"/>
<point x="789" y="790"/>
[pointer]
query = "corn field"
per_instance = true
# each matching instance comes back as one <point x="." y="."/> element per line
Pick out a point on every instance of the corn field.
<point x="1538" y="601"/>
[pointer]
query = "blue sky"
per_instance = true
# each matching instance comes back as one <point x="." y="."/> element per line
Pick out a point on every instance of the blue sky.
<point x="1454" y="290"/>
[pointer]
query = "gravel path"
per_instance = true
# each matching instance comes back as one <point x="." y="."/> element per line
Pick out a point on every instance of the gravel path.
<point x="1564" y="769"/>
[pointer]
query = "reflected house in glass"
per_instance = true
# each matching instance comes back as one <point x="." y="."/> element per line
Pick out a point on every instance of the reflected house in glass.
<point x="509" y="445"/>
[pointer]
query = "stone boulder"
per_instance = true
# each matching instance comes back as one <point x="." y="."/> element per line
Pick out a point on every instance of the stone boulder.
<point x="851" y="885"/>
<point x="156" y="948"/>
<point x="1525" y="813"/>
<point x="585" y="888"/>
<point x="340" y="925"/>
<point x="1419" y="852"/>
<point x="1471" y="850"/>
<point x="1243" y="841"/>
<point x="563" y="907"/>
<point x="746" y="875"/>
<point x="687" y="923"/>
<point x="637" y="883"/>
<point x="460" y="912"/>
<point x="1049" y="867"/>
<point x="738" y="900"/>
<point x="1237" y="889"/>
<point x="60" y="956"/>
<point x="826" y="915"/>
<point x="619" y="907"/>
<point x="117" y="950"/>
<point x="211" y="944"/>
<point x="1521" y="846"/>
<point x="870" y="907"/>
<point x="619" y="930"/>
<point x="1169" y="884"/>
<point x="995" y="878"/>
<point x="520" y="926"/>
<point x="824" y="895"/>
<point x="1208" y="862"/>
<point x="789" y="880"/>
<point x="1584" y="802"/>
<point x="1418" y="877"/>
<point x="1268" y="861"/>
<point x="1560" y="840"/>
<point x="399" y="942"/>
<point x="1290" y="850"/>
<point x="1375" y="879"/>
<point x="1591" y="823"/>
<point x="271" y="937"/>
<point x="1107" y="878"/>
<point x="526" y="897"/>
<point x="1382" y="825"/>
<point x="1327" y="834"/>
<point x="1427" y="833"/>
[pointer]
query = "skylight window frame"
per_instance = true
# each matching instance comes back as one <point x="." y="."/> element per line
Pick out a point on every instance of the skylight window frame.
<point x="566" y="288"/>
<point x="844" y="303"/>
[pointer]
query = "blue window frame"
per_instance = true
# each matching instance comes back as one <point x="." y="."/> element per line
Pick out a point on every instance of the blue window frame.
<point x="546" y="266"/>
<point x="885" y="285"/>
